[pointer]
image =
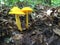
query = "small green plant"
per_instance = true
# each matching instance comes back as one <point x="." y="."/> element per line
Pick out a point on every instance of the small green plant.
<point x="30" y="3"/>
<point x="55" y="2"/>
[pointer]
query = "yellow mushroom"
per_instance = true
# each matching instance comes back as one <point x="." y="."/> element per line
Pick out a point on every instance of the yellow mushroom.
<point x="27" y="10"/>
<point x="17" y="12"/>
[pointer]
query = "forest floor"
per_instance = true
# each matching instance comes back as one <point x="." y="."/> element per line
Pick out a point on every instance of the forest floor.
<point x="44" y="27"/>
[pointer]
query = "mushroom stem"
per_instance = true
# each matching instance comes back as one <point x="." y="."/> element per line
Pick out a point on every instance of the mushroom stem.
<point x="26" y="20"/>
<point x="18" y="22"/>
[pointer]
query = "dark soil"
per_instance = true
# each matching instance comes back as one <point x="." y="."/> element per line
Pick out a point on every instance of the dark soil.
<point x="40" y="31"/>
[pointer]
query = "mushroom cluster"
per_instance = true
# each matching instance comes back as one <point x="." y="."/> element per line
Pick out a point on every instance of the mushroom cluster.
<point x="20" y="12"/>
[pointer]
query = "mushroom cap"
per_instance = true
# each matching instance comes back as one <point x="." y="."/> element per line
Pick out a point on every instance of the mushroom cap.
<point x="27" y="9"/>
<point x="16" y="10"/>
<point x="20" y="12"/>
